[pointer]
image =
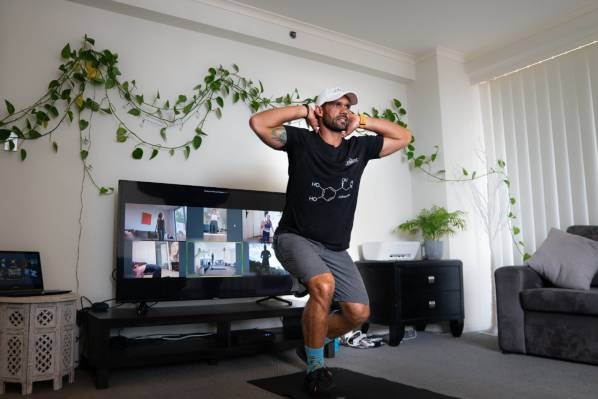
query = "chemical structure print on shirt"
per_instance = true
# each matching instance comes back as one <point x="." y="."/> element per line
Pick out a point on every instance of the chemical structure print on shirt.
<point x="329" y="193"/>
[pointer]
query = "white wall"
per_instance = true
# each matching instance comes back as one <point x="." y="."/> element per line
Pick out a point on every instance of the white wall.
<point x="41" y="196"/>
<point x="447" y="114"/>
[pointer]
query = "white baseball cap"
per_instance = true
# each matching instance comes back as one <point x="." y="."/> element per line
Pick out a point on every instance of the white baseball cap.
<point x="334" y="93"/>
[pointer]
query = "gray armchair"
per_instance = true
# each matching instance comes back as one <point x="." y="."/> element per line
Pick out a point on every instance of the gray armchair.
<point x="536" y="318"/>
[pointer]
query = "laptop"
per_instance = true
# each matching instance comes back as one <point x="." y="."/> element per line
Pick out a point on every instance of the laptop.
<point x="21" y="275"/>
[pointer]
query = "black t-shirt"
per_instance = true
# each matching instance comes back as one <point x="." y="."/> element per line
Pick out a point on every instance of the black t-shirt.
<point x="323" y="185"/>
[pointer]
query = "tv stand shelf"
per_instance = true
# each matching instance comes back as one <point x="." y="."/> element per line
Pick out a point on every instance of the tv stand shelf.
<point x="104" y="353"/>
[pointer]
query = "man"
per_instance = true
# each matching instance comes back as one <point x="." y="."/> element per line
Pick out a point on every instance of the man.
<point x="315" y="229"/>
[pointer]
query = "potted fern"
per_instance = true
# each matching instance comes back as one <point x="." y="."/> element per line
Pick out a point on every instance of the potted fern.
<point x="434" y="223"/>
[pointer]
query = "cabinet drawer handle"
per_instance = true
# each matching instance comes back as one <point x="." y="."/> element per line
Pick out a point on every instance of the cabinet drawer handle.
<point x="432" y="304"/>
<point x="431" y="279"/>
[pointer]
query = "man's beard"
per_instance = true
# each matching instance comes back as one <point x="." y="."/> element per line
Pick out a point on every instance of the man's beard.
<point x="336" y="125"/>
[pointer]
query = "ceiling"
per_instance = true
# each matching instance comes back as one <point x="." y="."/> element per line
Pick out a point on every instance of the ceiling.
<point x="472" y="27"/>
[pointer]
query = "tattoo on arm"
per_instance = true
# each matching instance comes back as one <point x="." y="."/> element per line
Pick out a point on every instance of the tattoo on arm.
<point x="280" y="134"/>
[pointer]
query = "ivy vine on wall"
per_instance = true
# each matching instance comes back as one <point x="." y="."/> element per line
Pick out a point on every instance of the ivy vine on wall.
<point x="89" y="81"/>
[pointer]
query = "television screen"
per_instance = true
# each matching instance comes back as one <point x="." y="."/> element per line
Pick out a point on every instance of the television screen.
<point x="190" y="242"/>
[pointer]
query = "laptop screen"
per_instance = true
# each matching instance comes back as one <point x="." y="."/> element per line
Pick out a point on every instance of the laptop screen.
<point x="20" y="270"/>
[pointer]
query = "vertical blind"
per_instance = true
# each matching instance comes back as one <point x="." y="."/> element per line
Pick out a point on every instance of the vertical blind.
<point x="542" y="122"/>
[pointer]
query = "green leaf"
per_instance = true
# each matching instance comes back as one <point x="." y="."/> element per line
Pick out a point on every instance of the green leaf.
<point x="409" y="155"/>
<point x="154" y="153"/>
<point x="410" y="147"/>
<point x="196" y="142"/>
<point x="235" y="97"/>
<point x="433" y="157"/>
<point x="166" y="105"/>
<point x="508" y="183"/>
<point x="11" y="145"/>
<point x="55" y="146"/>
<point x="23" y="154"/>
<point x="66" y="51"/>
<point x="181" y="99"/>
<point x="110" y="83"/>
<point x="501" y="163"/>
<point x="188" y="108"/>
<point x="441" y="172"/>
<point x="473" y="175"/>
<point x="134" y="112"/>
<point x="171" y="151"/>
<point x="218" y="112"/>
<point x="220" y="101"/>
<point x="139" y="99"/>
<point x="163" y="133"/>
<point x="465" y="172"/>
<point x="187" y="151"/>
<point x="137" y="153"/>
<point x="70" y="115"/>
<point x="4" y="134"/>
<point x="397" y="103"/>
<point x="18" y="132"/>
<point x="52" y="110"/>
<point x="91" y="104"/>
<point x="34" y="134"/>
<point x="121" y="134"/>
<point x="84" y="154"/>
<point x="107" y="110"/>
<point x="235" y="67"/>
<point x="66" y="94"/>
<point x="90" y="40"/>
<point x="516" y="230"/>
<point x="83" y="124"/>
<point x="512" y="200"/>
<point x="261" y="87"/>
<point x="106" y="191"/>
<point x="526" y="257"/>
<point x="9" y="107"/>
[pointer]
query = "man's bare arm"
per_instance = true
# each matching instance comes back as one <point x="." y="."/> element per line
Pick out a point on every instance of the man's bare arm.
<point x="268" y="125"/>
<point x="395" y="136"/>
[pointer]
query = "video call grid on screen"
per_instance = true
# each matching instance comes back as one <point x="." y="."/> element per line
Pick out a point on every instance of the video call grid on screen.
<point x="195" y="242"/>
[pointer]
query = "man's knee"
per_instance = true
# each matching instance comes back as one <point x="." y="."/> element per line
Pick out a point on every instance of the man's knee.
<point x="356" y="313"/>
<point x="321" y="287"/>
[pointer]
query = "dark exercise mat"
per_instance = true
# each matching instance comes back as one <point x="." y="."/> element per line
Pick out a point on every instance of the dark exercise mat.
<point x="350" y="385"/>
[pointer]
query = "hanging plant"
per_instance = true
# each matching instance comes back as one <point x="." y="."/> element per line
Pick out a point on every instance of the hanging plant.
<point x="88" y="83"/>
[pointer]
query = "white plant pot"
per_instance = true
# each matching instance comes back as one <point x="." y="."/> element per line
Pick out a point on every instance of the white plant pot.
<point x="433" y="249"/>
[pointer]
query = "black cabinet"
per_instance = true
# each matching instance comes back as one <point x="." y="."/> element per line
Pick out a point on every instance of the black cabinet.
<point x="414" y="293"/>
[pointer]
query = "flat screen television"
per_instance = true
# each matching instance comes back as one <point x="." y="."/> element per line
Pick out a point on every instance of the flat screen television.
<point x="178" y="242"/>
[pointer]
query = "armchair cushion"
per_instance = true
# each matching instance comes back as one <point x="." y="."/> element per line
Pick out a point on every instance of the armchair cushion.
<point x="560" y="300"/>
<point x="566" y="260"/>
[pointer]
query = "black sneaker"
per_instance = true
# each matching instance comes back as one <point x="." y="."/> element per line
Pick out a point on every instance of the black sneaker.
<point x="319" y="382"/>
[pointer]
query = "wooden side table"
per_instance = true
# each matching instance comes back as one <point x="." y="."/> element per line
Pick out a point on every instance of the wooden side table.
<point x="37" y="340"/>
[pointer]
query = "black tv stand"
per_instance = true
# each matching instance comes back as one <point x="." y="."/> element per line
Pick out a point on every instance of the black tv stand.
<point x="101" y="352"/>
<point x="276" y="298"/>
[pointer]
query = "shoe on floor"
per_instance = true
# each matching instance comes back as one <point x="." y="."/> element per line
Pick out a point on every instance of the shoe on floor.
<point x="319" y="382"/>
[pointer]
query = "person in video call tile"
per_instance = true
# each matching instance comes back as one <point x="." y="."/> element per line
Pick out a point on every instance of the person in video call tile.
<point x="141" y="268"/>
<point x="160" y="227"/>
<point x="265" y="255"/>
<point x="214" y="221"/>
<point x="266" y="227"/>
<point x="311" y="240"/>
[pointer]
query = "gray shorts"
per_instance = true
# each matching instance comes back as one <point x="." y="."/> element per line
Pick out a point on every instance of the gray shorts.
<point x="304" y="258"/>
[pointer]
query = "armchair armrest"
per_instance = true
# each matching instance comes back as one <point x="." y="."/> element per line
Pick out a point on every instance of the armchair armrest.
<point x="510" y="281"/>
